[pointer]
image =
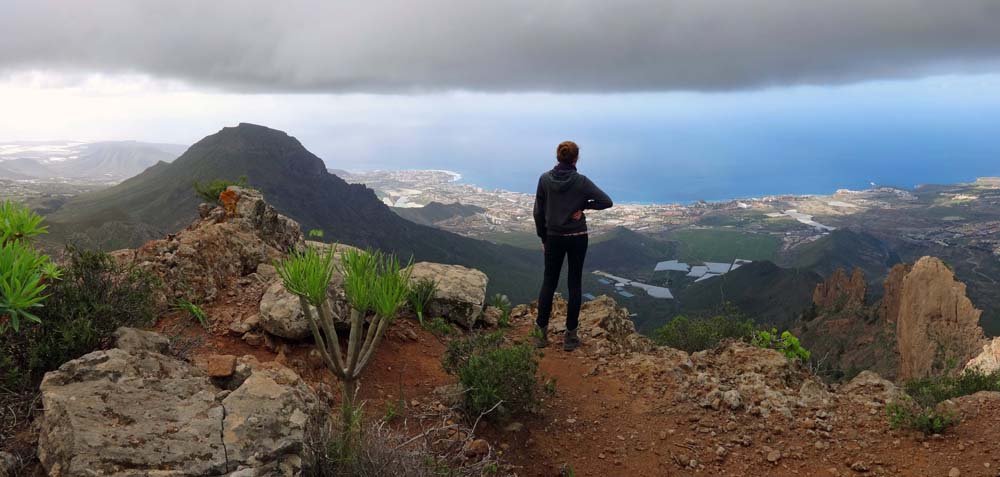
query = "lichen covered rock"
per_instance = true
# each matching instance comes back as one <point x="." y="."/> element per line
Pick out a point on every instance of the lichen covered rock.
<point x="139" y="412"/>
<point x="460" y="295"/>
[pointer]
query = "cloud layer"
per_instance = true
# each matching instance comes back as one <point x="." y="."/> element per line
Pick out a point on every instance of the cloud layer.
<point x="512" y="45"/>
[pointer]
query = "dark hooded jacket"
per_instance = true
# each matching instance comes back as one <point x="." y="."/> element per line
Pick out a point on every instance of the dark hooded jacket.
<point x="561" y="192"/>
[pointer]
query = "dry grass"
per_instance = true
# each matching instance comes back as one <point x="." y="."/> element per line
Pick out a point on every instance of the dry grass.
<point x="17" y="410"/>
<point x="435" y="449"/>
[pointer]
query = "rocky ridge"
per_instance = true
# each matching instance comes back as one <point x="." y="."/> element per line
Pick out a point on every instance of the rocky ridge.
<point x="201" y="259"/>
<point x="729" y="403"/>
<point x="841" y="291"/>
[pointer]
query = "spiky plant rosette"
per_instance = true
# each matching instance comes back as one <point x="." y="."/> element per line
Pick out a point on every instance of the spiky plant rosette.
<point x="360" y="270"/>
<point x="22" y="281"/>
<point x="307" y="274"/>
<point x="18" y="222"/>
<point x="391" y="288"/>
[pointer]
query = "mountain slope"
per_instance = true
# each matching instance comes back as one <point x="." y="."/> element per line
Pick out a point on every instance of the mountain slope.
<point x="102" y="162"/>
<point x="846" y="249"/>
<point x="436" y="212"/>
<point x="114" y="160"/>
<point x="623" y="251"/>
<point x="161" y="200"/>
<point x="768" y="293"/>
<point x="27" y="168"/>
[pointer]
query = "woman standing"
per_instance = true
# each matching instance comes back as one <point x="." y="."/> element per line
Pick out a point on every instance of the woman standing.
<point x="563" y="194"/>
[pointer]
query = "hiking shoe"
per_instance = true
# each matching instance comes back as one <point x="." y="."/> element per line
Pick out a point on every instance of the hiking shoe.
<point x="542" y="339"/>
<point x="571" y="341"/>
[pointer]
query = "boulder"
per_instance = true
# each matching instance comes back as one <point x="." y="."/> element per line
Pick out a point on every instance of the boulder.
<point x="869" y="386"/>
<point x="491" y="316"/>
<point x="134" y="340"/>
<point x="269" y="420"/>
<point x="281" y="313"/>
<point x="128" y="412"/>
<point x="460" y="295"/>
<point x="220" y="365"/>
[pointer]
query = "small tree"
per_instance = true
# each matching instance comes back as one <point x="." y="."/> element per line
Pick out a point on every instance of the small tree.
<point x="375" y="289"/>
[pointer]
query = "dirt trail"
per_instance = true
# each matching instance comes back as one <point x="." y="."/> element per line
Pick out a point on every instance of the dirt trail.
<point x="605" y="419"/>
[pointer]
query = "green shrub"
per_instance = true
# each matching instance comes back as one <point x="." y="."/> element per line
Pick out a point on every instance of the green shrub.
<point x="209" y="191"/>
<point x="439" y="328"/>
<point x="786" y="343"/>
<point x="693" y="335"/>
<point x="94" y="297"/>
<point x="921" y="411"/>
<point x="500" y="379"/>
<point x="910" y="415"/>
<point x="316" y="233"/>
<point x="933" y="390"/>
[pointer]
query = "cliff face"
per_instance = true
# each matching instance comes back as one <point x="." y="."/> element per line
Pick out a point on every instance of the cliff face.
<point x="846" y="333"/>
<point x="840" y="291"/>
<point x="924" y="325"/>
<point x="889" y="308"/>
<point x="937" y="326"/>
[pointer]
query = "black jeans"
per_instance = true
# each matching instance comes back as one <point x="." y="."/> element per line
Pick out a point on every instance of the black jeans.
<point x="556" y="248"/>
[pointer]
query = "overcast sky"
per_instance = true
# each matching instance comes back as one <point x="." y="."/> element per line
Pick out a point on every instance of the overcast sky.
<point x="379" y="83"/>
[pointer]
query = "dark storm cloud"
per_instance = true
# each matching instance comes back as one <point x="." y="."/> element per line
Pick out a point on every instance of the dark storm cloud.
<point x="518" y="45"/>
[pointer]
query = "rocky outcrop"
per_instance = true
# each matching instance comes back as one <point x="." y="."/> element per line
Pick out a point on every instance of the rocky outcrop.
<point x="603" y="324"/>
<point x="840" y="292"/>
<point x="764" y="381"/>
<point x="988" y="360"/>
<point x="203" y="258"/>
<point x="132" y="411"/>
<point x="937" y="326"/>
<point x="893" y="292"/>
<point x="460" y="295"/>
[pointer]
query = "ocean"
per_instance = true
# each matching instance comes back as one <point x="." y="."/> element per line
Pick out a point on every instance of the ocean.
<point x="665" y="182"/>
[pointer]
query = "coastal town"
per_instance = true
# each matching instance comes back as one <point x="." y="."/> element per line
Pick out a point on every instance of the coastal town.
<point x="795" y="216"/>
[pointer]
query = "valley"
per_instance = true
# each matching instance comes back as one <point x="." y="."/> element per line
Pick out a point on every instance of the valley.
<point x="810" y="235"/>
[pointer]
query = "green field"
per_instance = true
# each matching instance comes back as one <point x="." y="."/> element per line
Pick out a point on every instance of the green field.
<point x="713" y="245"/>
